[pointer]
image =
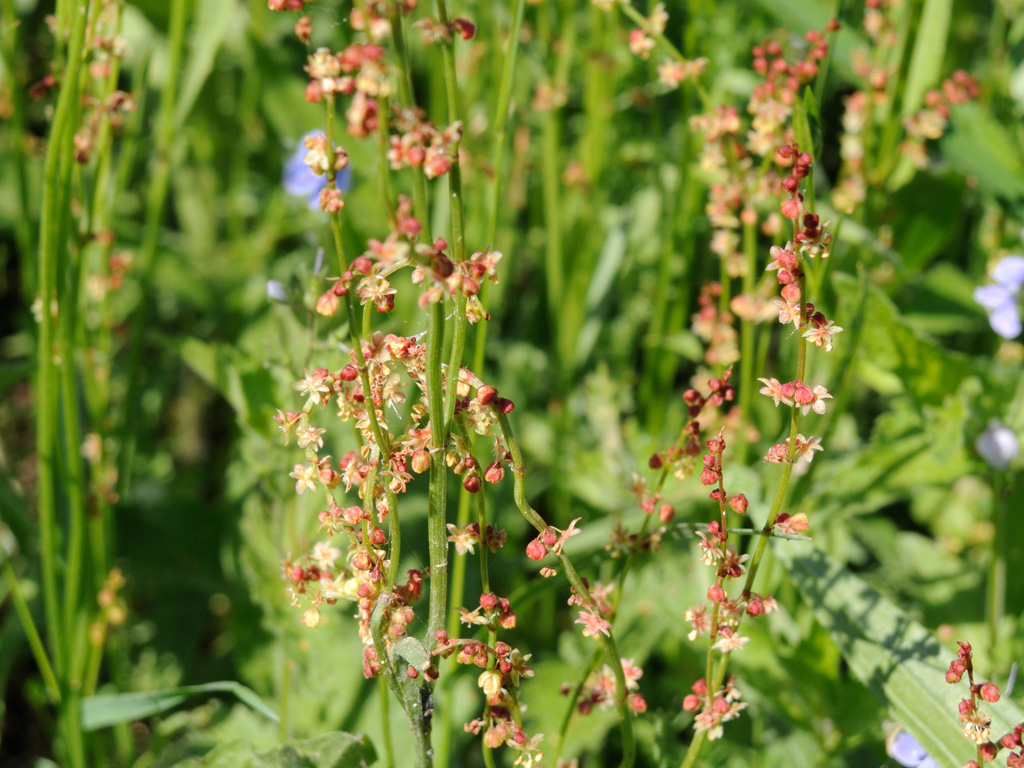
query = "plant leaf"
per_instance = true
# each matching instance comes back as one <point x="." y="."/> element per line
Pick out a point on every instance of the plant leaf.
<point x="331" y="750"/>
<point x="210" y="26"/>
<point x="108" y="709"/>
<point x="929" y="51"/>
<point x="895" y="657"/>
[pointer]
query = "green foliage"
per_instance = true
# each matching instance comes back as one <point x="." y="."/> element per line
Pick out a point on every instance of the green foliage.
<point x="602" y="203"/>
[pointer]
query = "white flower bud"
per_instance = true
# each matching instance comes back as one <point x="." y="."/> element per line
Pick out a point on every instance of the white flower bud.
<point x="998" y="445"/>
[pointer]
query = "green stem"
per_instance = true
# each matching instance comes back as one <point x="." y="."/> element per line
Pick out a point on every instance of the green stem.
<point x="995" y="604"/>
<point x="608" y="640"/>
<point x="53" y="244"/>
<point x="385" y="722"/>
<point x="714" y="681"/>
<point x="35" y="643"/>
<point x="747" y="331"/>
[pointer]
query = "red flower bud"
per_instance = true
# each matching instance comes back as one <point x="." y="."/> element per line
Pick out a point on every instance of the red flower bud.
<point x="691" y="703"/>
<point x="486" y="394"/>
<point x="535" y="550"/>
<point x="471" y="482"/>
<point x="990" y="692"/>
<point x="716" y="594"/>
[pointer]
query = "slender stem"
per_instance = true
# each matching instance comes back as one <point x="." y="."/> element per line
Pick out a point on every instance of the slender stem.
<point x="995" y="604"/>
<point x="385" y="722"/>
<point x="53" y="245"/>
<point x="35" y="643"/>
<point x="608" y="641"/>
<point x="747" y="331"/>
<point x="715" y="676"/>
<point x="380" y="436"/>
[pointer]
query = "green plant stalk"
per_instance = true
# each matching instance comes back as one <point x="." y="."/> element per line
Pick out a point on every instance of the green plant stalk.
<point x="97" y="391"/>
<point x="747" y="340"/>
<point x="420" y="199"/>
<point x="53" y="243"/>
<point x="35" y="643"/>
<point x="156" y="205"/>
<point x="608" y="641"/>
<point x="379" y="436"/>
<point x="995" y="603"/>
<point x="458" y="346"/>
<point x="456" y="597"/>
<point x="714" y="679"/>
<point x="385" y="722"/>
<point x="501" y="113"/>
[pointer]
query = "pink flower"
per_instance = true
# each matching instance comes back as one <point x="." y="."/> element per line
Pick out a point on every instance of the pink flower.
<point x="821" y="335"/>
<point x="773" y="389"/>
<point x="593" y="624"/>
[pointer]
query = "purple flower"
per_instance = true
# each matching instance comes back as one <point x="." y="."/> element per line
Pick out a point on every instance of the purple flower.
<point x="299" y="180"/>
<point x="1000" y="300"/>
<point x="906" y="750"/>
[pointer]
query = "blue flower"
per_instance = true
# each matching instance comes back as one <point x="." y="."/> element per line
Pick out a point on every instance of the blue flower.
<point x="906" y="750"/>
<point x="1000" y="300"/>
<point x="299" y="180"/>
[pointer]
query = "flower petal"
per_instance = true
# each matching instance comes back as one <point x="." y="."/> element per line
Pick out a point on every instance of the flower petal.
<point x="905" y="750"/>
<point x="992" y="296"/>
<point x="1005" y="320"/>
<point x="1009" y="272"/>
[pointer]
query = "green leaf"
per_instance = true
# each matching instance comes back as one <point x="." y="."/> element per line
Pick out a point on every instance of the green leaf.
<point x="901" y="359"/>
<point x="807" y="124"/>
<point x="929" y="51"/>
<point x="982" y="147"/>
<point x="895" y="657"/>
<point x="332" y="750"/>
<point x="108" y="709"/>
<point x="209" y="27"/>
<point x="412" y="650"/>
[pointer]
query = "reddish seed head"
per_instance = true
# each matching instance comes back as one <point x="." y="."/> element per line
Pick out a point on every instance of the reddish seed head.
<point x="990" y="692"/>
<point x="755" y="607"/>
<point x="494" y="472"/>
<point x="692" y="396"/>
<point x="666" y="513"/>
<point x="471" y="482"/>
<point x="504" y="405"/>
<point x="988" y="751"/>
<point x="965" y="707"/>
<point x="535" y="550"/>
<point x="739" y="503"/>
<point x="716" y="594"/>
<point x="486" y="394"/>
<point x="464" y="27"/>
<point x="700" y="687"/>
<point x="656" y="461"/>
<point x="488" y="601"/>
<point x="1011" y="740"/>
<point x="691" y="703"/>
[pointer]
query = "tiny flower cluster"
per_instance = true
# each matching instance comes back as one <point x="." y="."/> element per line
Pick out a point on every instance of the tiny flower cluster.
<point x="722" y="623"/>
<point x="598" y="690"/>
<point x="976" y="724"/>
<point x="876" y="68"/>
<point x="725" y="705"/>
<point x="504" y="668"/>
